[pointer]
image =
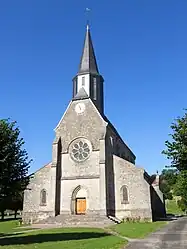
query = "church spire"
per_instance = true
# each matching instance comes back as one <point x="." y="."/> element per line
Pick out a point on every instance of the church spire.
<point x="88" y="83"/>
<point x="88" y="63"/>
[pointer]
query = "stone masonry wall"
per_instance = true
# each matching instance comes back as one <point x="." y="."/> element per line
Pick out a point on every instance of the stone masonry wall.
<point x="85" y="174"/>
<point x="88" y="168"/>
<point x="89" y="124"/>
<point x="42" y="179"/>
<point x="91" y="187"/>
<point x="139" y="205"/>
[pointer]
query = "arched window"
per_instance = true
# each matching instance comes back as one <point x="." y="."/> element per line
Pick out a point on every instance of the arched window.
<point x="43" y="197"/>
<point x="124" y="195"/>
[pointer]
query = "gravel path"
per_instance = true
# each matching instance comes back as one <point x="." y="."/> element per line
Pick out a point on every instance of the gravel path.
<point x="173" y="236"/>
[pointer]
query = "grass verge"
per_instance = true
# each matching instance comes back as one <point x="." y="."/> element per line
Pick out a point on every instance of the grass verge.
<point x="137" y="229"/>
<point x="172" y="208"/>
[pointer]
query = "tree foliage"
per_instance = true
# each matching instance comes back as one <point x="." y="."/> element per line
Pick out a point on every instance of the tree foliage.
<point x="14" y="164"/>
<point x="181" y="190"/>
<point x="166" y="190"/>
<point x="168" y="179"/>
<point x="176" y="152"/>
<point x="170" y="176"/>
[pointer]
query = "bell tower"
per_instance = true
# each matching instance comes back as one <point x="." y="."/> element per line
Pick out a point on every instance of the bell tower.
<point x="88" y="83"/>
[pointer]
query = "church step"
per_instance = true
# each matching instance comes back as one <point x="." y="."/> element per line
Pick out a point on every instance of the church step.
<point x="78" y="220"/>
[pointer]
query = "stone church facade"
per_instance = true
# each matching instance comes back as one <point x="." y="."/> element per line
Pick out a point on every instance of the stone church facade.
<point x="93" y="171"/>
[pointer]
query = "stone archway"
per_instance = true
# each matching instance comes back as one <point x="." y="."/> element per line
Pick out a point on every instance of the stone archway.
<point x="79" y="200"/>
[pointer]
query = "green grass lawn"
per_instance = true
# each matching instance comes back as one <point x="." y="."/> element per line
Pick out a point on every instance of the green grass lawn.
<point x="172" y="208"/>
<point x="7" y="226"/>
<point x="64" y="238"/>
<point x="137" y="229"/>
<point x="78" y="238"/>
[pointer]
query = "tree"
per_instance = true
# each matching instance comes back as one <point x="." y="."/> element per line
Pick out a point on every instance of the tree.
<point x="176" y="152"/>
<point x="14" y="164"/>
<point x="168" y="179"/>
<point x="180" y="189"/>
<point x="181" y="184"/>
<point x="16" y="204"/>
<point x="166" y="190"/>
<point x="170" y="176"/>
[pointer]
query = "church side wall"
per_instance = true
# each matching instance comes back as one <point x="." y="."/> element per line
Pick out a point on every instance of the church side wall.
<point x="139" y="200"/>
<point x="32" y="208"/>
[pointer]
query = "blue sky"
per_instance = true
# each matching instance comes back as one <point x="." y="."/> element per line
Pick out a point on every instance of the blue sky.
<point x="142" y="54"/>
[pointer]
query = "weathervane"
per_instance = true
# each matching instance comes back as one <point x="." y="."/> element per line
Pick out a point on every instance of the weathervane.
<point x="87" y="17"/>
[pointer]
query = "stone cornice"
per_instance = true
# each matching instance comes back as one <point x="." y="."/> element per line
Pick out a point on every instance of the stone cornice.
<point x="80" y="177"/>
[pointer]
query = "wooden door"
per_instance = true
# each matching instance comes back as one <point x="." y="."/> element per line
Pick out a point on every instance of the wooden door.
<point x="81" y="205"/>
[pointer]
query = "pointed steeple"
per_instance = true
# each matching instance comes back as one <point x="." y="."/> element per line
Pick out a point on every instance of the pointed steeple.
<point x="88" y="83"/>
<point x="88" y="62"/>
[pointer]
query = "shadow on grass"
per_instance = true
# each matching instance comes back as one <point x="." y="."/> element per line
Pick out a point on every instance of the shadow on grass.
<point x="40" y="238"/>
<point x="8" y="235"/>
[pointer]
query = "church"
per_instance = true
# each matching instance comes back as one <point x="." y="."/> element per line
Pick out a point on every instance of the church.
<point x="93" y="171"/>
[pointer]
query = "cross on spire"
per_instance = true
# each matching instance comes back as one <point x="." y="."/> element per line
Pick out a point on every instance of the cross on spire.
<point x="87" y="16"/>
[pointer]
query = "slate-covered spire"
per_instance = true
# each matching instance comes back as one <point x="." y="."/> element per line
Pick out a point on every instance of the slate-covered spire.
<point x="88" y="63"/>
<point x="88" y="83"/>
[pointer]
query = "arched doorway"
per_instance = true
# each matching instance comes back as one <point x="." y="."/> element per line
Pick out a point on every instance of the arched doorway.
<point x="79" y="201"/>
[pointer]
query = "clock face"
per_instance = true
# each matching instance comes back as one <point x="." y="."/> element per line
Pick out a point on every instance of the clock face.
<point x="80" y="108"/>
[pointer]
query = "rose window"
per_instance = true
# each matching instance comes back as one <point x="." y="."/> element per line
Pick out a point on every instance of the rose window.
<point x="80" y="150"/>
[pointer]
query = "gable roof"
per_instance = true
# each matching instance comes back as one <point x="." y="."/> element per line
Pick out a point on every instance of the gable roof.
<point x="117" y="134"/>
<point x="46" y="165"/>
<point x="82" y="94"/>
